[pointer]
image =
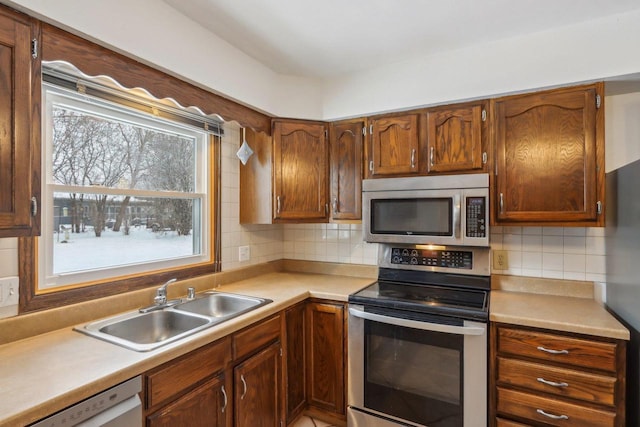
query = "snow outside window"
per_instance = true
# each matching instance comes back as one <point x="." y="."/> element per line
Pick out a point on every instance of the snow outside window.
<point x="124" y="192"/>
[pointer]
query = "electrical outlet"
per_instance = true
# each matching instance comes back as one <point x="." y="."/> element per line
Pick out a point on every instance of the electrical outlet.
<point x="9" y="291"/>
<point x="500" y="260"/>
<point x="244" y="253"/>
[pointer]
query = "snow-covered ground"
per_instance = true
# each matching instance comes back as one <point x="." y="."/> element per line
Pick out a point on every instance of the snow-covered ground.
<point x="84" y="251"/>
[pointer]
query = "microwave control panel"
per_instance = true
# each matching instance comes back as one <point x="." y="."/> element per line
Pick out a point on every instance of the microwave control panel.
<point x="432" y="258"/>
<point x="476" y="217"/>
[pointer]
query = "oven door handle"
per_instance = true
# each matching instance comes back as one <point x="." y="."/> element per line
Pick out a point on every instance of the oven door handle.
<point x="426" y="326"/>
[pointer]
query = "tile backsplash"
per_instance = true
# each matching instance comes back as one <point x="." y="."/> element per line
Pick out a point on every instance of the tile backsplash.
<point x="574" y="253"/>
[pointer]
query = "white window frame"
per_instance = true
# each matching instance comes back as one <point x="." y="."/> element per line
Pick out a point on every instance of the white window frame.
<point x="47" y="280"/>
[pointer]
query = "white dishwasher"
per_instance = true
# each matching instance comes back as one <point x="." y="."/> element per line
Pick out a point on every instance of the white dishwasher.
<point x="119" y="406"/>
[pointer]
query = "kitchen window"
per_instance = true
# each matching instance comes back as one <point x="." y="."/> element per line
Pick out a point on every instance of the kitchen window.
<point x="129" y="185"/>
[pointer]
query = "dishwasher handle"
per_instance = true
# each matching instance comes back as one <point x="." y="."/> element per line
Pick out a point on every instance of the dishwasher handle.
<point x="425" y="326"/>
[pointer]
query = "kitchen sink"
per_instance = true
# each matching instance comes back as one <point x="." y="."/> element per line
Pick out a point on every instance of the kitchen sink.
<point x="221" y="305"/>
<point x="145" y="331"/>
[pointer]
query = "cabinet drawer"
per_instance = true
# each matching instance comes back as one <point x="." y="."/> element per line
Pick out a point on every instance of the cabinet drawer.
<point x="559" y="413"/>
<point x="568" y="382"/>
<point x="557" y="348"/>
<point x="255" y="337"/>
<point x="176" y="377"/>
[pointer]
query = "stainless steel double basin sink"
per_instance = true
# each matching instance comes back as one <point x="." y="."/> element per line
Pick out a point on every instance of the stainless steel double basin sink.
<point x="149" y="330"/>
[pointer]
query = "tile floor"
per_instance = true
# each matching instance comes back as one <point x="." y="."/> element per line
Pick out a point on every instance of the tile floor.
<point x="305" y="421"/>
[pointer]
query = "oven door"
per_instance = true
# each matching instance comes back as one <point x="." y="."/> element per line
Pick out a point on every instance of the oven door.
<point x="415" y="372"/>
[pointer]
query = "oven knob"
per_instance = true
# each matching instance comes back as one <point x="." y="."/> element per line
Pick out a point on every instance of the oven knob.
<point x="396" y="260"/>
<point x="414" y="261"/>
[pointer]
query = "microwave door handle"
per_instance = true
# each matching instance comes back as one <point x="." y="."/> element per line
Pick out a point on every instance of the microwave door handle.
<point x="456" y="216"/>
<point x="425" y="326"/>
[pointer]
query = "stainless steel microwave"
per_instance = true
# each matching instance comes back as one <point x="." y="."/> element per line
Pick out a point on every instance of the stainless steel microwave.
<point x="440" y="210"/>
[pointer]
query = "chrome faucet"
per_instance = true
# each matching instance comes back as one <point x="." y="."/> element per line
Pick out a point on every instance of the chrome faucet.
<point x="160" y="300"/>
<point x="161" y="293"/>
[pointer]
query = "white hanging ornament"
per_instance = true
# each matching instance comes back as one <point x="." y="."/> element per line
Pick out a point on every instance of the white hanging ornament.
<point x="245" y="151"/>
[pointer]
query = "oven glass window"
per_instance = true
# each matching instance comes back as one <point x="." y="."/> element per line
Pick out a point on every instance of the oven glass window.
<point x="413" y="374"/>
<point x="425" y="217"/>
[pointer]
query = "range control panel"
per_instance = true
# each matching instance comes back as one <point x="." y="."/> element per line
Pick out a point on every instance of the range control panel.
<point x="432" y="258"/>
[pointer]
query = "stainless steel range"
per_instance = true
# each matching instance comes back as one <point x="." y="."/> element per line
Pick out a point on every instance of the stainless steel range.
<point x="418" y="339"/>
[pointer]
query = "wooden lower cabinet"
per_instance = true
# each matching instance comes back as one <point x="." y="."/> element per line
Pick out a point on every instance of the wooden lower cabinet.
<point x="265" y="375"/>
<point x="326" y="356"/>
<point x="204" y="406"/>
<point x="257" y="389"/>
<point x="190" y="390"/>
<point x="547" y="378"/>
<point x="295" y="366"/>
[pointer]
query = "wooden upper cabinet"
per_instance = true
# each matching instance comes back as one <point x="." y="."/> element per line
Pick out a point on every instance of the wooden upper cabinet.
<point x="19" y="126"/>
<point x="455" y="139"/>
<point x="550" y="158"/>
<point x="345" y="159"/>
<point x="300" y="171"/>
<point x="394" y="146"/>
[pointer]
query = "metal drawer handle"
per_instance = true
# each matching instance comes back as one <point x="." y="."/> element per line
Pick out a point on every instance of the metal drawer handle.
<point x="552" y="383"/>
<point x="413" y="158"/>
<point x="546" y="350"/>
<point x="552" y="416"/>
<point x="224" y="395"/>
<point x="244" y="386"/>
<point x="431" y="157"/>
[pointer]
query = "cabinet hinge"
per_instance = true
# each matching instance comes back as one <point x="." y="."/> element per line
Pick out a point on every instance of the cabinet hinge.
<point x="34" y="48"/>
<point x="484" y="158"/>
<point x="598" y="101"/>
<point x="484" y="115"/>
<point x="599" y="207"/>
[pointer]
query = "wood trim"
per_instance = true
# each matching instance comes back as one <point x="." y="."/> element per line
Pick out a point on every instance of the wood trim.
<point x="93" y="59"/>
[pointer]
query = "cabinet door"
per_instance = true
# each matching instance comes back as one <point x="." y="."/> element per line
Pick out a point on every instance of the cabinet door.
<point x="300" y="167"/>
<point x="296" y="393"/>
<point x="395" y="148"/>
<point x="19" y="121"/>
<point x="257" y="395"/>
<point x="454" y="142"/>
<point x="345" y="160"/>
<point x="326" y="353"/>
<point x="550" y="158"/>
<point x="204" y="406"/>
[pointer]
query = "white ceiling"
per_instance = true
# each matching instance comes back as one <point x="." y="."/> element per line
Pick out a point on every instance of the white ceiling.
<point x="325" y="38"/>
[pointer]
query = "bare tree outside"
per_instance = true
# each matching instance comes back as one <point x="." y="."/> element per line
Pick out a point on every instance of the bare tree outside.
<point x="93" y="151"/>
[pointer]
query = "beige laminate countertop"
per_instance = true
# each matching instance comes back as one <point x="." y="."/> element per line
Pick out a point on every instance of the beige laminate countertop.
<point x="43" y="374"/>
<point x="560" y="305"/>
